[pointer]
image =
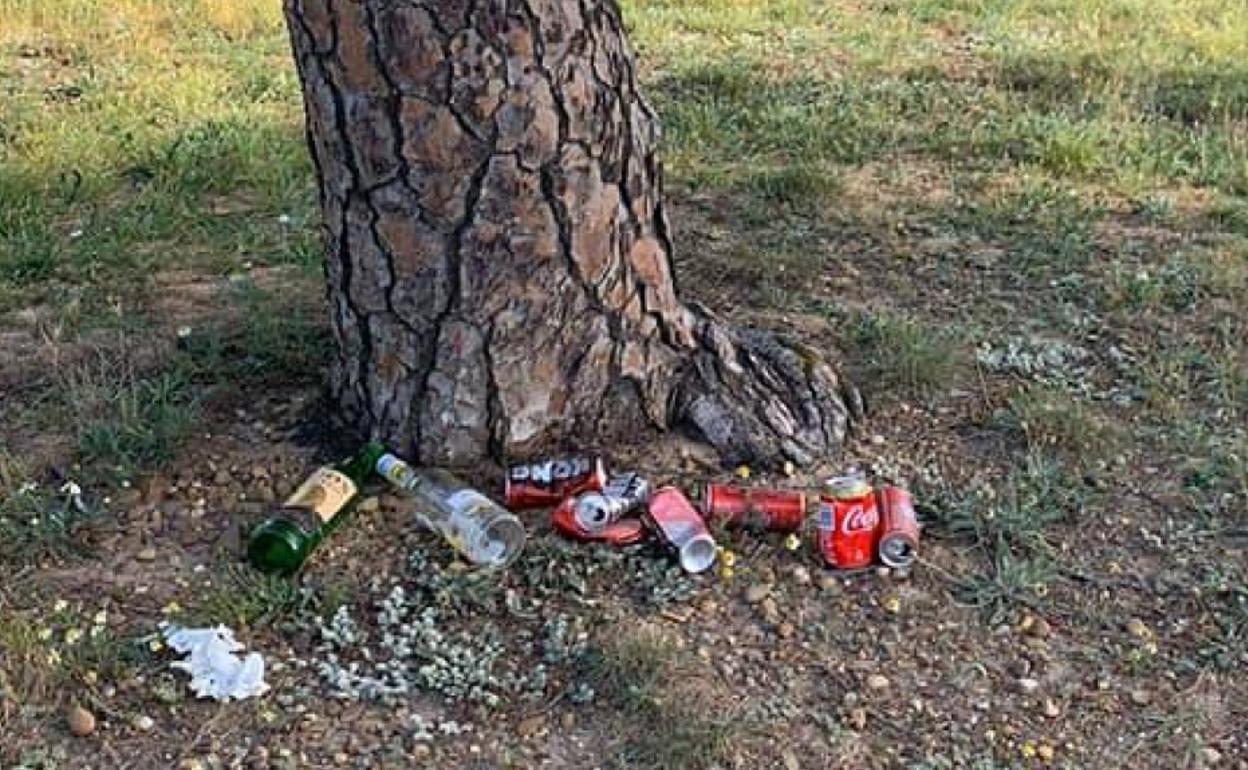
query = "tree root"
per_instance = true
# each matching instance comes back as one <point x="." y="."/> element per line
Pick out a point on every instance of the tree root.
<point x="758" y="398"/>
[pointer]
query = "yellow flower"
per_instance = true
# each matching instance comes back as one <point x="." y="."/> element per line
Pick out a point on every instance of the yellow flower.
<point x="726" y="572"/>
<point x="155" y="645"/>
<point x="792" y="542"/>
<point x="60" y="606"/>
<point x="727" y="558"/>
<point x="54" y="658"/>
<point x="44" y="634"/>
<point x="72" y="635"/>
<point x="743" y="471"/>
<point x="171" y="608"/>
<point x="1028" y="749"/>
<point x="90" y="677"/>
<point x="100" y="618"/>
<point x="892" y="603"/>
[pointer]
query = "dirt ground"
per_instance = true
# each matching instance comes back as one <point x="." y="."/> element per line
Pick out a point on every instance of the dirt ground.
<point x="1020" y="229"/>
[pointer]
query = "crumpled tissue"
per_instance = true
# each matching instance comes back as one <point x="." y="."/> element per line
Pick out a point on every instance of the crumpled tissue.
<point x="216" y="672"/>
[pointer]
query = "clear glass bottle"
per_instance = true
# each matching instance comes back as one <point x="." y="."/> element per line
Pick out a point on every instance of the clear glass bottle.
<point x="477" y="527"/>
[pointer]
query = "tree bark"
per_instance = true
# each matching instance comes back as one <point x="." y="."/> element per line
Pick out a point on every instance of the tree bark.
<point x="498" y="257"/>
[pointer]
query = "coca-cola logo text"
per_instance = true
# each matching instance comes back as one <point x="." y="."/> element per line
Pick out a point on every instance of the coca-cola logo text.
<point x="859" y="518"/>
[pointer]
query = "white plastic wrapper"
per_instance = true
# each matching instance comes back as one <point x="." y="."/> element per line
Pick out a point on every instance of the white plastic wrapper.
<point x="216" y="671"/>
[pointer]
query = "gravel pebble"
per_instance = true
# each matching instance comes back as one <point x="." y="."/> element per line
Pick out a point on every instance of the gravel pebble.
<point x="757" y="592"/>
<point x="877" y="682"/>
<point x="81" y="722"/>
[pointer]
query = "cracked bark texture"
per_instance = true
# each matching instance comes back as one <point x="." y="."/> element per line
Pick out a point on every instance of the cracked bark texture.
<point x="497" y="253"/>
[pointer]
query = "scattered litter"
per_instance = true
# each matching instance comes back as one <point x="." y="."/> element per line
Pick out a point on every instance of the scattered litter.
<point x="216" y="671"/>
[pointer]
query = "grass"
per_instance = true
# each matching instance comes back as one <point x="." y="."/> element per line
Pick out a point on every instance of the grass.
<point x="1010" y="523"/>
<point x="645" y="680"/>
<point x="1050" y="419"/>
<point x="38" y="522"/>
<point x="239" y="596"/>
<point x="906" y="358"/>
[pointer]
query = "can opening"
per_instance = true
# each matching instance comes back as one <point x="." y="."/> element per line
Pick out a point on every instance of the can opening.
<point x="698" y="554"/>
<point x="896" y="552"/>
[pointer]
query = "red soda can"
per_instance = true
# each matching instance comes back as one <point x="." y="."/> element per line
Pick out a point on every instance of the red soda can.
<point x="622" y="494"/>
<point x="899" y="528"/>
<point x="848" y="522"/>
<point x="549" y="482"/>
<point x="778" y="510"/>
<point x="683" y="528"/>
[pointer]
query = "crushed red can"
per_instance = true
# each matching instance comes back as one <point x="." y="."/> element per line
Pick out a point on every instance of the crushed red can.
<point x="618" y="532"/>
<point x="684" y="529"/>
<point x="778" y="510"/>
<point x="549" y="482"/>
<point x="848" y="522"/>
<point x="622" y="494"/>
<point x="899" y="528"/>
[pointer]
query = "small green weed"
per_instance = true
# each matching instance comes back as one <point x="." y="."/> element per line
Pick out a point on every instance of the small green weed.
<point x="628" y="671"/>
<point x="1051" y="419"/>
<point x="663" y="726"/>
<point x="142" y="425"/>
<point x="904" y="356"/>
<point x="1010" y="527"/>
<point x="799" y="187"/>
<point x="272" y="340"/>
<point x="241" y="596"/>
<point x="37" y="522"/>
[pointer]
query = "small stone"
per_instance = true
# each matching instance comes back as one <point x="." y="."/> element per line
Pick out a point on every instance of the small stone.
<point x="757" y="592"/>
<point x="191" y="764"/>
<point x="1211" y="755"/>
<point x="877" y="682"/>
<point x="878" y="440"/>
<point x="829" y="584"/>
<point x="530" y="726"/>
<point x="1051" y="709"/>
<point x="421" y="751"/>
<point x="785" y="630"/>
<point x="1038" y="627"/>
<point x="858" y="719"/>
<point x="1028" y="685"/>
<point x="790" y="470"/>
<point x="770" y="612"/>
<point x="143" y="723"/>
<point x="81" y="722"/>
<point x="369" y="505"/>
<point x="1139" y="629"/>
<point x="567" y="721"/>
<point x="259" y="472"/>
<point x="341" y="758"/>
<point x="790" y="760"/>
<point x="1141" y="697"/>
<point x="146" y="554"/>
<point x="801" y="575"/>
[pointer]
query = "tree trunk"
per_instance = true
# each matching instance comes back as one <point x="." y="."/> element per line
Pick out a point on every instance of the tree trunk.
<point x="498" y="257"/>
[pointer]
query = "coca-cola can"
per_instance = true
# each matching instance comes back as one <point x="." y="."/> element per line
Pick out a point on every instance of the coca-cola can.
<point x="778" y="510"/>
<point x="848" y="522"/>
<point x="549" y="482"/>
<point x="622" y="494"/>
<point x="680" y="524"/>
<point x="899" y="528"/>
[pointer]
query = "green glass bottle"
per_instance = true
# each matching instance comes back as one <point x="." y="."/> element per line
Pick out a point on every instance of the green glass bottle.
<point x="284" y="541"/>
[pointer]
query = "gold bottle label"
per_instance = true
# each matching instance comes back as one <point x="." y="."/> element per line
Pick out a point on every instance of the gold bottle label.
<point x="325" y="493"/>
